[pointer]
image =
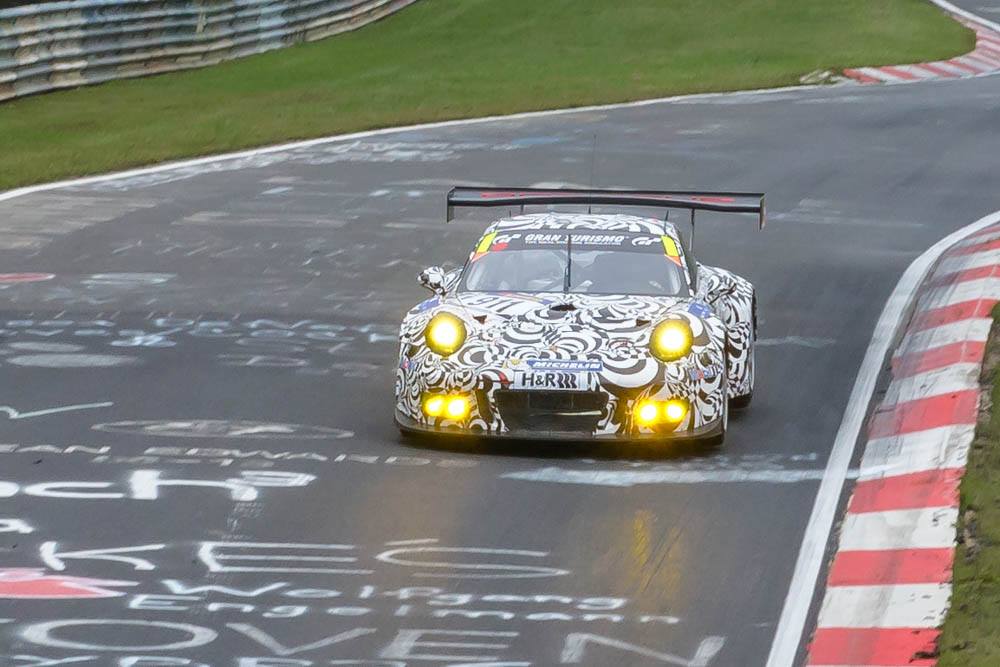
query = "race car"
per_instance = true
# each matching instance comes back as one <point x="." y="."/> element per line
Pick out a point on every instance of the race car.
<point x="580" y="325"/>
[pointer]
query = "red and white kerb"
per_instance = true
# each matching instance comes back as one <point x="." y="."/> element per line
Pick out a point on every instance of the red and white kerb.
<point x="984" y="59"/>
<point x="890" y="581"/>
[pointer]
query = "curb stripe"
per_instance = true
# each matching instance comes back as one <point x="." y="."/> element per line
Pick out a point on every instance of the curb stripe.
<point x="955" y="62"/>
<point x="895" y="606"/>
<point x="945" y="447"/>
<point x="900" y="529"/>
<point x="963" y="310"/>
<point x="969" y="290"/>
<point x="938" y="357"/>
<point x="896" y="566"/>
<point x="939" y="70"/>
<point x="873" y="647"/>
<point x="992" y="244"/>
<point x="985" y="231"/>
<point x="955" y="408"/>
<point x="930" y="488"/>
<point x="984" y="58"/>
<point x="989" y="269"/>
<point x="938" y="382"/>
<point x="862" y="75"/>
<point x="962" y="263"/>
<point x="976" y="331"/>
<point x="898" y="73"/>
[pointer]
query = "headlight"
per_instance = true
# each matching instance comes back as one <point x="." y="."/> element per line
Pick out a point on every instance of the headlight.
<point x="671" y="340"/>
<point x="444" y="334"/>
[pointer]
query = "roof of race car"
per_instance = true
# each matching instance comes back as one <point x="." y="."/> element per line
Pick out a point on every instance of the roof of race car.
<point x="631" y="224"/>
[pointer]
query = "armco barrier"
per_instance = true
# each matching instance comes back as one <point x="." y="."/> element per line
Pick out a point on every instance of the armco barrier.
<point x="56" y="45"/>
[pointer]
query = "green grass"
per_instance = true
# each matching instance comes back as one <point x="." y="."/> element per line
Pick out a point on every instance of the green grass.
<point x="971" y="634"/>
<point x="445" y="59"/>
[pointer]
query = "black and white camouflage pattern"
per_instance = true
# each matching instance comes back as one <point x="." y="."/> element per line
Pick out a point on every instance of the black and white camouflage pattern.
<point x="506" y="329"/>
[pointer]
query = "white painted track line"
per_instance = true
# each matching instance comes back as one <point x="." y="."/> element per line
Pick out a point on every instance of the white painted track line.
<point x="948" y="7"/>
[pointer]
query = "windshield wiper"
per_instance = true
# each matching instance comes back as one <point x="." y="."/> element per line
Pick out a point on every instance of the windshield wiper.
<point x="569" y="262"/>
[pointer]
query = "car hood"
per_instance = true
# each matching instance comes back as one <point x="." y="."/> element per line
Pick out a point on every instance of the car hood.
<point x="513" y="311"/>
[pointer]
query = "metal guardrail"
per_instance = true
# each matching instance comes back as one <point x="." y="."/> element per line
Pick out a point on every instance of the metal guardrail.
<point x="56" y="45"/>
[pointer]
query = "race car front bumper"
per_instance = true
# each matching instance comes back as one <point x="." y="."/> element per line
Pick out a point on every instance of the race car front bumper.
<point x="538" y="427"/>
<point x="490" y="404"/>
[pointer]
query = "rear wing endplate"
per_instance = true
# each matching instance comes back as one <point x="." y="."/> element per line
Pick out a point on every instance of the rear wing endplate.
<point x="722" y="202"/>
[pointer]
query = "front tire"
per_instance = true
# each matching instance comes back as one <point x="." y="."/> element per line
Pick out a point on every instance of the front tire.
<point x="719" y="438"/>
<point x="743" y="401"/>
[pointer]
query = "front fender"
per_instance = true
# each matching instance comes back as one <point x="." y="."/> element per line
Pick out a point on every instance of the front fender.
<point x="734" y="300"/>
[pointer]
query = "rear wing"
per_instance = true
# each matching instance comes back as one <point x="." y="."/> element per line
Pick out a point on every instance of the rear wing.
<point x="723" y="202"/>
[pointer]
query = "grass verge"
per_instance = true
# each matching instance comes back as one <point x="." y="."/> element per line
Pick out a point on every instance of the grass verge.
<point x="971" y="633"/>
<point x="446" y="59"/>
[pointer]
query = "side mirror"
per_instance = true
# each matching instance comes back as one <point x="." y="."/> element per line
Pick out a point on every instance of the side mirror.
<point x="433" y="278"/>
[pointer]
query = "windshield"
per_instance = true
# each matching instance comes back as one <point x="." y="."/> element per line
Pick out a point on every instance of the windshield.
<point x="577" y="262"/>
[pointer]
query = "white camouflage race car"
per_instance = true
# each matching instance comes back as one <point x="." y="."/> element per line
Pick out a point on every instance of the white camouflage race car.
<point x="580" y="325"/>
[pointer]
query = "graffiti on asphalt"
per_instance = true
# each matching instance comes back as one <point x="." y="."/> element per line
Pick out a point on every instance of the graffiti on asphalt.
<point x="37" y="584"/>
<point x="253" y="588"/>
<point x="358" y="150"/>
<point x="13" y="413"/>
<point x="218" y="428"/>
<point x="229" y="456"/>
<point x="309" y="346"/>
<point x="420" y="558"/>
<point x="19" y="526"/>
<point x="395" y="648"/>
<point x="147" y="484"/>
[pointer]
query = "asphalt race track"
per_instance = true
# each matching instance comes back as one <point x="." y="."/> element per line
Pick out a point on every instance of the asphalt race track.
<point x="206" y="356"/>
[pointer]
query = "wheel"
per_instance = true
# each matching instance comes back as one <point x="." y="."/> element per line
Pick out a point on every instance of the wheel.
<point x="741" y="402"/>
<point x="717" y="439"/>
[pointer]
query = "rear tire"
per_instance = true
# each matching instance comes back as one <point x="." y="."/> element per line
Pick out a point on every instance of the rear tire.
<point x="741" y="402"/>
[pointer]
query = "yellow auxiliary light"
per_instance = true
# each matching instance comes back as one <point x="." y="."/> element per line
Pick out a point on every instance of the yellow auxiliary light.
<point x="647" y="413"/>
<point x="674" y="410"/>
<point x="444" y="334"/>
<point x="671" y="340"/>
<point x="458" y="408"/>
<point x="434" y="405"/>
